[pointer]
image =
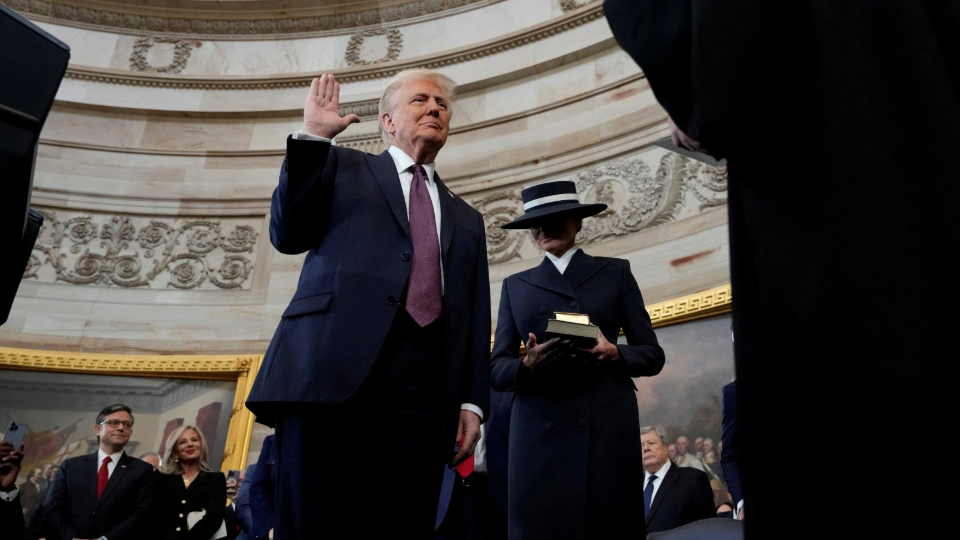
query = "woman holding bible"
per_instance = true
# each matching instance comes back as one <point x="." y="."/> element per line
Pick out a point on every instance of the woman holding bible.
<point x="574" y="465"/>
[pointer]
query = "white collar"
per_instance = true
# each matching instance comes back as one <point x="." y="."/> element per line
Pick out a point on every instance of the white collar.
<point x="661" y="473"/>
<point x="113" y="457"/>
<point x="404" y="162"/>
<point x="562" y="262"/>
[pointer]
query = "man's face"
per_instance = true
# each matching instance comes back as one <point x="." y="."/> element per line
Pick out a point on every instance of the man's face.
<point x="654" y="452"/>
<point x="681" y="445"/>
<point x="707" y="447"/>
<point x="153" y="460"/>
<point x="420" y="117"/>
<point x="672" y="451"/>
<point x="698" y="444"/>
<point x="115" y="430"/>
<point x="36" y="474"/>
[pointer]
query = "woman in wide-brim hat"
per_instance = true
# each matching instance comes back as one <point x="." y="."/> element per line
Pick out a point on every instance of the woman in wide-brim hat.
<point x="574" y="457"/>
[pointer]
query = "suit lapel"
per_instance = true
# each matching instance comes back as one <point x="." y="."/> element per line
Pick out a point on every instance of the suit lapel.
<point x="385" y="171"/>
<point x="668" y="481"/>
<point x="546" y="276"/>
<point x="118" y="472"/>
<point x="448" y="217"/>
<point x="581" y="268"/>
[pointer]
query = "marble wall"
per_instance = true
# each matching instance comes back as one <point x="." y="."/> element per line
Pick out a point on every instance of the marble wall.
<point x="159" y="157"/>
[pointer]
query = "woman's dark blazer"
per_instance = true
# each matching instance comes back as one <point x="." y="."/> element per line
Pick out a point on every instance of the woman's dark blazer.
<point x="173" y="501"/>
<point x="575" y="467"/>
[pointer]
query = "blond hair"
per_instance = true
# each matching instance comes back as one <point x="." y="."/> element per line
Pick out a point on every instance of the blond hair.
<point x="171" y="465"/>
<point x="391" y="94"/>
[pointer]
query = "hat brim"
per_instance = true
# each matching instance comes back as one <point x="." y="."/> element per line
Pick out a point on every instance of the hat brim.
<point x="571" y="209"/>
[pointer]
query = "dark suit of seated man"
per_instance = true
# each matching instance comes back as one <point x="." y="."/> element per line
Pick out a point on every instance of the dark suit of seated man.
<point x="11" y="513"/>
<point x="673" y="496"/>
<point x="96" y="497"/>
<point x="384" y="350"/>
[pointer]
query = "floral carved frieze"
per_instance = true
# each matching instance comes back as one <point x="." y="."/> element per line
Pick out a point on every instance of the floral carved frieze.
<point x="640" y="192"/>
<point x="181" y="53"/>
<point x="125" y="251"/>
<point x="571" y="5"/>
<point x="356" y="50"/>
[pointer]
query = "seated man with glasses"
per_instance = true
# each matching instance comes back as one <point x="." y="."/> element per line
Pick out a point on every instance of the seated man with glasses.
<point x="104" y="495"/>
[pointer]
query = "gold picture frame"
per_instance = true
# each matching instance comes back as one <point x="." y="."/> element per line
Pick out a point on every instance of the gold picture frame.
<point x="239" y="368"/>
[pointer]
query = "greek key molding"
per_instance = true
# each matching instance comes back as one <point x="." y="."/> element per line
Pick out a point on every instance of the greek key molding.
<point x="360" y="73"/>
<point x="394" y="46"/>
<point x="637" y="198"/>
<point x="315" y="22"/>
<point x="699" y="305"/>
<point x="185" y="253"/>
<point x="181" y="53"/>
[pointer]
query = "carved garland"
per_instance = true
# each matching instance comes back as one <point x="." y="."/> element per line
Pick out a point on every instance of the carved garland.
<point x="648" y="200"/>
<point x="184" y="252"/>
<point x="394" y="46"/>
<point x="181" y="53"/>
<point x="572" y="5"/>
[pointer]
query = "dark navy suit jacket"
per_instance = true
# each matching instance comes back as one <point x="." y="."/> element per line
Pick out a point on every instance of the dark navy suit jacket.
<point x="263" y="483"/>
<point x="684" y="496"/>
<point x="731" y="441"/>
<point x="122" y="512"/>
<point x="346" y="210"/>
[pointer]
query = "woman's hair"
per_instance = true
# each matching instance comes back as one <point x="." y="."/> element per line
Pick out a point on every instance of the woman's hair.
<point x="171" y="464"/>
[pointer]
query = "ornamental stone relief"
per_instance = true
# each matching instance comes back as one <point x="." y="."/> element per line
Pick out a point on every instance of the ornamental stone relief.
<point x="386" y="43"/>
<point x="637" y="198"/>
<point x="124" y="251"/>
<point x="180" y="54"/>
<point x="571" y="5"/>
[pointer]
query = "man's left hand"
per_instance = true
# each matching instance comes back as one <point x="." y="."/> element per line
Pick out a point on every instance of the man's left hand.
<point x="468" y="434"/>
<point x="604" y="350"/>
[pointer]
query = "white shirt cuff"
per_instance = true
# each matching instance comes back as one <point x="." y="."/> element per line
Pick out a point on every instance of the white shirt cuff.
<point x="472" y="408"/>
<point x="301" y="136"/>
<point x="9" y="496"/>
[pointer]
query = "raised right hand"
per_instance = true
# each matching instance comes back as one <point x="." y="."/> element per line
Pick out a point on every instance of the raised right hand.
<point x="321" y="111"/>
<point x="541" y="356"/>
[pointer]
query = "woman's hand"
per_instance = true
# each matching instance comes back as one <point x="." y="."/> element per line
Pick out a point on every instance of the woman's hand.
<point x="541" y="356"/>
<point x="604" y="350"/>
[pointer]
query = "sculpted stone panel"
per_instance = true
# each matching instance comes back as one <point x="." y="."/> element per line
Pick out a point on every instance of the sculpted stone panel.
<point x="256" y="25"/>
<point x="215" y="254"/>
<point x="356" y="50"/>
<point x="637" y="198"/>
<point x="181" y="53"/>
<point x="570" y="5"/>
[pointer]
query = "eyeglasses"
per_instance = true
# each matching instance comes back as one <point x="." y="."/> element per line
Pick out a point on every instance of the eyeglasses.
<point x="116" y="423"/>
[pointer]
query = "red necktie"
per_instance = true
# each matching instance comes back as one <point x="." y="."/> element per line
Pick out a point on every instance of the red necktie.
<point x="423" y="292"/>
<point x="103" y="476"/>
<point x="465" y="469"/>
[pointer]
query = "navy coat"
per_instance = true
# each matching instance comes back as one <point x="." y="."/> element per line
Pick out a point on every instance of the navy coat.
<point x="684" y="496"/>
<point x="346" y="210"/>
<point x="575" y="466"/>
<point x="123" y="511"/>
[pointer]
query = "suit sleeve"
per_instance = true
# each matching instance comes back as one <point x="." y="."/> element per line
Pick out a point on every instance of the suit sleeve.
<point x="301" y="202"/>
<point x="138" y="522"/>
<point x="505" y="361"/>
<point x="56" y="522"/>
<point x="261" y="493"/>
<point x="216" y="507"/>
<point x="244" y="516"/>
<point x="642" y="356"/>
<point x="480" y="348"/>
<point x="730" y="441"/>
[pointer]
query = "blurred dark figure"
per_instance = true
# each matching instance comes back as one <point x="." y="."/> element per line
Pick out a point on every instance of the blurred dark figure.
<point x="11" y="513"/>
<point x="840" y="123"/>
<point x="263" y="486"/>
<point x="244" y="513"/>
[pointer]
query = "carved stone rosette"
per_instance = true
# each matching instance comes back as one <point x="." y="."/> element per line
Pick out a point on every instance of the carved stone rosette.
<point x="497" y="209"/>
<point x="181" y="53"/>
<point x="394" y="46"/>
<point x="185" y="254"/>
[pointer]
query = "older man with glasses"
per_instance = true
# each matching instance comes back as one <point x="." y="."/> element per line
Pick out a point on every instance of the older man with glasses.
<point x="104" y="495"/>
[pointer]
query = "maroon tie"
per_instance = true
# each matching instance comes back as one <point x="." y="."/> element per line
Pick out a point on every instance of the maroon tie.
<point x="102" y="476"/>
<point x="423" y="292"/>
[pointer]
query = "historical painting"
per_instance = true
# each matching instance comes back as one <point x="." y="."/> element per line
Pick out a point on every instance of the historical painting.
<point x="684" y="399"/>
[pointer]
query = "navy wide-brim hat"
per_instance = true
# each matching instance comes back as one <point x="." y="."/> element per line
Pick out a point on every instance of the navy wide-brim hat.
<point x="550" y="199"/>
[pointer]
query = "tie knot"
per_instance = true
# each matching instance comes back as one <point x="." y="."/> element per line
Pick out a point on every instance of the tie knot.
<point x="418" y="171"/>
<point x="107" y="459"/>
<point x="653" y="477"/>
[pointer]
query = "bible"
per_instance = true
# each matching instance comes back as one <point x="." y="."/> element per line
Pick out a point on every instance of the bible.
<point x="575" y="327"/>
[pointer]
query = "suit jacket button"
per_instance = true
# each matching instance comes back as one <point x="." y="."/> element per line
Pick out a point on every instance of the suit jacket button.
<point x="573" y="304"/>
<point x="178" y="529"/>
<point x="549" y="426"/>
<point x="183" y="501"/>
<point x="543" y="310"/>
<point x="405" y="255"/>
<point x="391" y="301"/>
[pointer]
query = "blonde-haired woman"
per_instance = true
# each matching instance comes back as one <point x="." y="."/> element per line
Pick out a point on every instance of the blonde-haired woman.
<point x="190" y="497"/>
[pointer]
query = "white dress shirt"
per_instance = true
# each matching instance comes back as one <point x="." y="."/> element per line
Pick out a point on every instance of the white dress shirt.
<point x="403" y="162"/>
<point x="562" y="262"/>
<point x="114" y="458"/>
<point x="656" y="483"/>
